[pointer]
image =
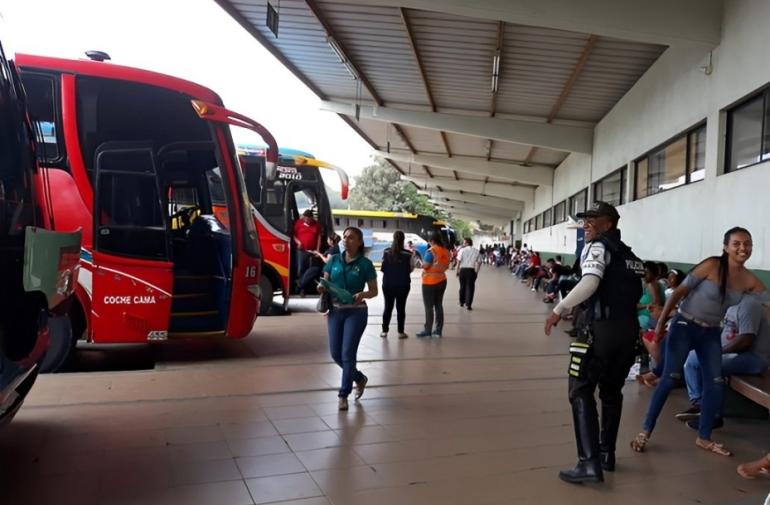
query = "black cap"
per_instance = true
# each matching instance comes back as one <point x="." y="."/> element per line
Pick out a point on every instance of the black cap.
<point x="599" y="209"/>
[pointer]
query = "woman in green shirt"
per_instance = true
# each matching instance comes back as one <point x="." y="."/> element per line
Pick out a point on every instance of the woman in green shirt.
<point x="352" y="272"/>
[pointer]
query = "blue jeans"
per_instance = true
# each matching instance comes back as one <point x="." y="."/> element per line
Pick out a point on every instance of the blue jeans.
<point x="744" y="363"/>
<point x="346" y="326"/>
<point x="684" y="336"/>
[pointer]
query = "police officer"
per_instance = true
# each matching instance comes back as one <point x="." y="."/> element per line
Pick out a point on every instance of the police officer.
<point x="604" y="351"/>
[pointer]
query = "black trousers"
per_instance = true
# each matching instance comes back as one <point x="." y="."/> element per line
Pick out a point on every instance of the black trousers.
<point x="395" y="296"/>
<point x="612" y="354"/>
<point x="433" y="299"/>
<point x="467" y="285"/>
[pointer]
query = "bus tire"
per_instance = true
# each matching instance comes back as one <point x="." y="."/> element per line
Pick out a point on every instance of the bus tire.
<point x="268" y="294"/>
<point x="61" y="345"/>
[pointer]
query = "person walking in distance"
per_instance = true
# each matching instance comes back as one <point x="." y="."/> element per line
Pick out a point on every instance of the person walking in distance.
<point x="610" y="286"/>
<point x="468" y="265"/>
<point x="353" y="272"/>
<point x="397" y="266"/>
<point x="434" y="267"/>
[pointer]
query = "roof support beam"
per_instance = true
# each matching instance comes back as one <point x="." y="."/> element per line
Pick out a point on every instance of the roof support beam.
<point x="551" y="136"/>
<point x="487" y="220"/>
<point x="514" y="172"/>
<point x="316" y="10"/>
<point x="567" y="89"/>
<point x="623" y="19"/>
<point x="480" y="215"/>
<point x="509" y="191"/>
<point x="471" y="209"/>
<point x="463" y="197"/>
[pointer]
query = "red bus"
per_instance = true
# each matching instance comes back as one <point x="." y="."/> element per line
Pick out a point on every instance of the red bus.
<point x="278" y="197"/>
<point x="38" y="267"/>
<point x="138" y="160"/>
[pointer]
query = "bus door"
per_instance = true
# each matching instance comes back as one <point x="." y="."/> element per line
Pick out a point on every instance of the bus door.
<point x="133" y="277"/>
<point x="268" y="197"/>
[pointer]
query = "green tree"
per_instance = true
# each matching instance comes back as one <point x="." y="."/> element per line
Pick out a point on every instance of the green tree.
<point x="379" y="187"/>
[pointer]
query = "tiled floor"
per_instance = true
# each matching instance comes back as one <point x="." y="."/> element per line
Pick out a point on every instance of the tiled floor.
<point x="479" y="417"/>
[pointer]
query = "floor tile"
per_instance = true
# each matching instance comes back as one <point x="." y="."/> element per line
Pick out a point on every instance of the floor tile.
<point x="283" y="488"/>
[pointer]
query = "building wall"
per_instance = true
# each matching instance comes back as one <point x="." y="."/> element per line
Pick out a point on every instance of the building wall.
<point x="684" y="224"/>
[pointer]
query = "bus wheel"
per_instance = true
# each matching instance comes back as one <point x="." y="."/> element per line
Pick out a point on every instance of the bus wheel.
<point x="61" y="345"/>
<point x="268" y="293"/>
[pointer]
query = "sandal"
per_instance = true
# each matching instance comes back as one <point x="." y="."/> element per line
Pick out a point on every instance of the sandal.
<point x="711" y="446"/>
<point x="648" y="379"/>
<point x="640" y="442"/>
<point x="754" y="469"/>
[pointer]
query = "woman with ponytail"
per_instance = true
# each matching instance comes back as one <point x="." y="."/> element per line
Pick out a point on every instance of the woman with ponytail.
<point x="709" y="289"/>
<point x="350" y="271"/>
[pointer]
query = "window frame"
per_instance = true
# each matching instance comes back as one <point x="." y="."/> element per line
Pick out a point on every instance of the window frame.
<point x="764" y="94"/>
<point x="55" y="78"/>
<point x="687" y="136"/>
<point x="564" y="212"/>
<point x="571" y="201"/>
<point x="623" y="182"/>
<point x="548" y="217"/>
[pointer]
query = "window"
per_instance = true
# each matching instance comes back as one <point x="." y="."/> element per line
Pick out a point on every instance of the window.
<point x="676" y="163"/>
<point x="611" y="189"/>
<point x="41" y="97"/>
<point x="113" y="110"/>
<point x="538" y="221"/>
<point x="547" y="218"/>
<point x="336" y="221"/>
<point x="384" y="223"/>
<point x="560" y="212"/>
<point x="748" y="139"/>
<point x="128" y="210"/>
<point x="578" y="201"/>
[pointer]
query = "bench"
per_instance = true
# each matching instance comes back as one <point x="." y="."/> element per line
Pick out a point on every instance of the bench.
<point x="755" y="388"/>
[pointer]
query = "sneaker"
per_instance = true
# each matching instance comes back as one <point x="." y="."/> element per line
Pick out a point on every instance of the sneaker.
<point x="689" y="414"/>
<point x="533" y="289"/>
<point x="342" y="403"/>
<point x="423" y="333"/>
<point x="693" y="423"/>
<point x="402" y="335"/>
<point x="361" y="386"/>
<point x="462" y="305"/>
<point x="437" y="334"/>
<point x="384" y="334"/>
<point x="469" y="307"/>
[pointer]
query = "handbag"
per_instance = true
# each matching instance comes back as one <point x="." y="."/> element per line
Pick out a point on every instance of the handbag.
<point x="324" y="302"/>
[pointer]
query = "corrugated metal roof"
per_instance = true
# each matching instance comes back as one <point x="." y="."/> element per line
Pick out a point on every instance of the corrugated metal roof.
<point x="456" y="53"/>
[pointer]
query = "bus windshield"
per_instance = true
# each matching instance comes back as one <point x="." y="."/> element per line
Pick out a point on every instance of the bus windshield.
<point x="189" y="176"/>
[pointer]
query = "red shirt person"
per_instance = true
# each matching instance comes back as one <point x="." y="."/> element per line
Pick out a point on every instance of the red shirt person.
<point x="307" y="237"/>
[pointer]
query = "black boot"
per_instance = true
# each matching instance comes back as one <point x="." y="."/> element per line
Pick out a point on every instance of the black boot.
<point x="609" y="435"/>
<point x="586" y="422"/>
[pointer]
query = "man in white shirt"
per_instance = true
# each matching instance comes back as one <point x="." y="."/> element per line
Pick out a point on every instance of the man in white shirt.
<point x="468" y="264"/>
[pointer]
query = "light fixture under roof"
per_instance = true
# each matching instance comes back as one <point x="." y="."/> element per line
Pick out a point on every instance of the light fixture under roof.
<point x="335" y="46"/>
<point x="495" y="71"/>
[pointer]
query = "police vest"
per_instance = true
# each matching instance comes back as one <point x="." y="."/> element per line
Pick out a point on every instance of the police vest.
<point x="621" y="286"/>
<point x="434" y="274"/>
